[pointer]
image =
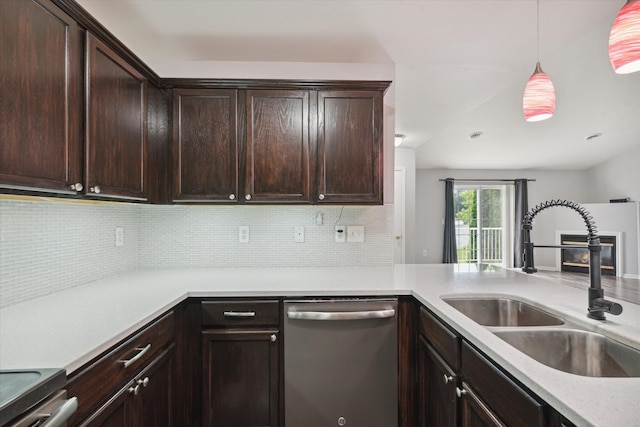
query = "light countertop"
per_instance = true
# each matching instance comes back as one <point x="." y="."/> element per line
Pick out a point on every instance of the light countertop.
<point x="69" y="328"/>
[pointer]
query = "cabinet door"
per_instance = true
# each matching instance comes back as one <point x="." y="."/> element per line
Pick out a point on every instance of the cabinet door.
<point x="438" y="404"/>
<point x="116" y="122"/>
<point x="155" y="398"/>
<point x="205" y="145"/>
<point x="474" y="412"/>
<point x="41" y="91"/>
<point x="117" y="412"/>
<point x="350" y="167"/>
<point x="240" y="378"/>
<point x="277" y="146"/>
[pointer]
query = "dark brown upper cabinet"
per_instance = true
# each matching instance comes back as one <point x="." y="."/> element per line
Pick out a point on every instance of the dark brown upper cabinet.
<point x="116" y="124"/>
<point x="277" y="146"/>
<point x="41" y="92"/>
<point x="349" y="158"/>
<point x="205" y="148"/>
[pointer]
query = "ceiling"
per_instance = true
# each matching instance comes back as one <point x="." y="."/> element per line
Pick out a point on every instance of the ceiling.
<point x="460" y="66"/>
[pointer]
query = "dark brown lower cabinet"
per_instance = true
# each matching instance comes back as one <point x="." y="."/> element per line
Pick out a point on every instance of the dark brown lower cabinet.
<point x="240" y="377"/>
<point x="473" y="411"/>
<point x="459" y="386"/>
<point x="144" y="401"/>
<point x="438" y="389"/>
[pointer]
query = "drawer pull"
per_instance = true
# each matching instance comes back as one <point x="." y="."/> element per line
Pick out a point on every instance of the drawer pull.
<point x="239" y="314"/>
<point x="135" y="358"/>
<point x="460" y="391"/>
<point x="274" y="337"/>
<point x="447" y="378"/>
<point x="144" y="382"/>
<point x="59" y="417"/>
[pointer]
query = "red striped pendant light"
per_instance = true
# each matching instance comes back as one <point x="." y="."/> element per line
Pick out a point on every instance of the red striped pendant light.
<point x="539" y="99"/>
<point x="624" y="40"/>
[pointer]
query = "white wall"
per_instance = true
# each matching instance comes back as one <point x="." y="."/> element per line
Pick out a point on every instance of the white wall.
<point x="615" y="179"/>
<point x="570" y="185"/>
<point x="406" y="158"/>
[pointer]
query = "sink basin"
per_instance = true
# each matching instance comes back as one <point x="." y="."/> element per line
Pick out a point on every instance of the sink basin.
<point x="575" y="351"/>
<point x="502" y="312"/>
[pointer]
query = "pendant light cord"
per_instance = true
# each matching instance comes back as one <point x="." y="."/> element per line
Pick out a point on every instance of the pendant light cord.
<point x="538" y="30"/>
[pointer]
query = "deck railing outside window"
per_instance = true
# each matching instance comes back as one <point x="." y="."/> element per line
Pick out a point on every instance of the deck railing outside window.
<point x="467" y="243"/>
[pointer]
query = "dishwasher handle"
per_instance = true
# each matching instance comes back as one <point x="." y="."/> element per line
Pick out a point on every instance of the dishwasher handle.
<point x="341" y="315"/>
<point x="60" y="416"/>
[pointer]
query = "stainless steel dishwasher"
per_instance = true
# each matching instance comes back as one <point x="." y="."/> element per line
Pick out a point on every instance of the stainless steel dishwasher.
<point x="341" y="363"/>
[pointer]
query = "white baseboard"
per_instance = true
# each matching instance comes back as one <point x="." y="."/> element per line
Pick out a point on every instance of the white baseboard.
<point x="631" y="276"/>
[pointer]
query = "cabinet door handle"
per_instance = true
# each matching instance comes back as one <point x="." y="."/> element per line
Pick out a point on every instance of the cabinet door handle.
<point x="321" y="196"/>
<point x="232" y="196"/>
<point x="134" y="390"/>
<point x="239" y="314"/>
<point x="77" y="186"/>
<point x="247" y="197"/>
<point x="447" y="378"/>
<point x="135" y="358"/>
<point x="144" y="382"/>
<point x="460" y="391"/>
<point x="95" y="189"/>
<point x="274" y="337"/>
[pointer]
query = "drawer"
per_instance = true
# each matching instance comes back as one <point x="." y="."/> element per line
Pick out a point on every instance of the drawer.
<point x="512" y="404"/>
<point x="241" y="313"/>
<point x="99" y="379"/>
<point x="444" y="340"/>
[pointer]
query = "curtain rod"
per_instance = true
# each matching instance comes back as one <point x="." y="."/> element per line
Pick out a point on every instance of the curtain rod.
<point x="483" y="180"/>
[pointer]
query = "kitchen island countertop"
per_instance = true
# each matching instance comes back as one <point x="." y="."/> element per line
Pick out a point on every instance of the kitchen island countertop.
<point x="71" y="327"/>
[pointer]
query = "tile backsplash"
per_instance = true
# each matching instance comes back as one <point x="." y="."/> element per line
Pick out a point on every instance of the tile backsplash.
<point x="47" y="245"/>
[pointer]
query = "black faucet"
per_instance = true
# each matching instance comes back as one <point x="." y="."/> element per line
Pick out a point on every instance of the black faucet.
<point x="597" y="304"/>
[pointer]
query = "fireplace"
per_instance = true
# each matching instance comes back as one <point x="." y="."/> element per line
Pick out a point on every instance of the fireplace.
<point x="577" y="259"/>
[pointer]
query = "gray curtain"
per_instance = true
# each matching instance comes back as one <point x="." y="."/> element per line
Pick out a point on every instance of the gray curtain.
<point x="522" y="206"/>
<point x="449" y="253"/>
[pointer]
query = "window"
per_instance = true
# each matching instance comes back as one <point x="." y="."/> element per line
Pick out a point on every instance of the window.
<point x="482" y="224"/>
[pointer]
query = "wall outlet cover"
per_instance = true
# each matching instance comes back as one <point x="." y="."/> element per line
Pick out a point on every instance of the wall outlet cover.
<point x="243" y="234"/>
<point x="355" y="233"/>
<point x="341" y="233"/>
<point x="298" y="234"/>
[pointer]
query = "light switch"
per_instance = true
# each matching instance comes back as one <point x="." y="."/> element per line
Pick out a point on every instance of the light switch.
<point x="119" y="237"/>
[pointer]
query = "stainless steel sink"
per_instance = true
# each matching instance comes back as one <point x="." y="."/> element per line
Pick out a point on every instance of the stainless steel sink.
<point x="500" y="311"/>
<point x="575" y="351"/>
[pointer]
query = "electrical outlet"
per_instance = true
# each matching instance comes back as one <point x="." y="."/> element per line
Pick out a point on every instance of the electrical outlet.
<point x="341" y="233"/>
<point x="355" y="233"/>
<point x="298" y="234"/>
<point x="119" y="237"/>
<point x="243" y="234"/>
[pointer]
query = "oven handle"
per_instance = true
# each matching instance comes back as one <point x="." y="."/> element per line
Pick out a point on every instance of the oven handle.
<point x="60" y="416"/>
<point x="341" y="315"/>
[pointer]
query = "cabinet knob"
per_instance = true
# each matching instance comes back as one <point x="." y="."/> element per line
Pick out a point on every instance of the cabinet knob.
<point x="447" y="378"/>
<point x="274" y="337"/>
<point x="321" y="196"/>
<point x="95" y="189"/>
<point x="134" y="390"/>
<point x="232" y="196"/>
<point x="77" y="186"/>
<point x="144" y="382"/>
<point x="247" y="197"/>
<point x="460" y="391"/>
